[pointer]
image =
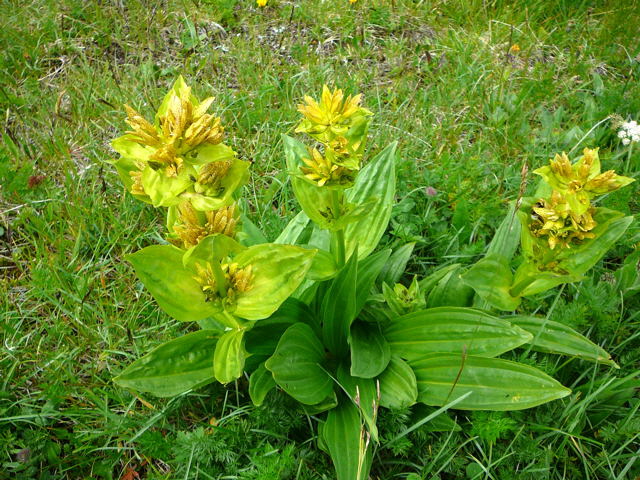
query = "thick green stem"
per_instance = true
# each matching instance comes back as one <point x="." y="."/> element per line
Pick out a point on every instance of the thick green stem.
<point x="627" y="164"/>
<point x="338" y="235"/>
<point x="231" y="321"/>
<point x="221" y="281"/>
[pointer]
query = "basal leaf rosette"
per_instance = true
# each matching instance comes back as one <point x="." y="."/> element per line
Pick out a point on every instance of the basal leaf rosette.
<point x="180" y="155"/>
<point x="221" y="278"/>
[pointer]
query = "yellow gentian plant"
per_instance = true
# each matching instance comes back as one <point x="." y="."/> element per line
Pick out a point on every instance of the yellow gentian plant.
<point x="319" y="313"/>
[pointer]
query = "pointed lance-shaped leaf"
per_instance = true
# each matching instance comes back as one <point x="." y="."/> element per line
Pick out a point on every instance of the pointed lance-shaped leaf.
<point x="492" y="279"/>
<point x="344" y="436"/>
<point x="452" y="330"/>
<point x="376" y="183"/>
<point x="494" y="383"/>
<point x="173" y="367"/>
<point x="339" y="308"/>
<point x="160" y="269"/>
<point x="398" y="385"/>
<point x="260" y="383"/>
<point x="370" y="352"/>
<point x="297" y="368"/>
<point x="277" y="271"/>
<point x="229" y="357"/>
<point x="555" y="337"/>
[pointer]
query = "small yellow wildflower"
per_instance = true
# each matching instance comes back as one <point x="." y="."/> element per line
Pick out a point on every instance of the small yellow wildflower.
<point x="554" y="219"/>
<point x="193" y="226"/>
<point x="333" y="108"/>
<point x="237" y="280"/>
<point x="143" y="132"/>
<point x="322" y="171"/>
<point x="213" y="172"/>
<point x="261" y="3"/>
<point x="582" y="180"/>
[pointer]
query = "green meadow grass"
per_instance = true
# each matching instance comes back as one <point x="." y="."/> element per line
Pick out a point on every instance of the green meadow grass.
<point x="442" y="77"/>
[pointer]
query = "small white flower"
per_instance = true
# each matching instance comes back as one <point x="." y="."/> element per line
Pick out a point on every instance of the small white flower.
<point x="629" y="132"/>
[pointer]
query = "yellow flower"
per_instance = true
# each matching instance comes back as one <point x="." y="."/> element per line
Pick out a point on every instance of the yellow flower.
<point x="184" y="125"/>
<point x="143" y="132"/>
<point x="333" y="108"/>
<point x="261" y="3"/>
<point x="193" y="226"/>
<point x="582" y="180"/>
<point x="553" y="219"/>
<point x="322" y="171"/>
<point x="237" y="280"/>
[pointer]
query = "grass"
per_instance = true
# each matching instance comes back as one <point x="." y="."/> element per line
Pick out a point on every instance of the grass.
<point x="443" y="78"/>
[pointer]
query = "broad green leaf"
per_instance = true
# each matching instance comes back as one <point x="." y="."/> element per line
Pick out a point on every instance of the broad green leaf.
<point x="214" y="248"/>
<point x="229" y="357"/>
<point x="491" y="278"/>
<point x="236" y="177"/>
<point x="173" y="286"/>
<point x="375" y="182"/>
<point x="173" y="367"/>
<point x="294" y="231"/>
<point x="452" y="330"/>
<point x="315" y="201"/>
<point x="260" y="383"/>
<point x="370" y="351"/>
<point x="339" y="308"/>
<point x="131" y="150"/>
<point x="398" y="387"/>
<point x="364" y="394"/>
<point x="163" y="190"/>
<point x="210" y="323"/>
<point x="343" y="435"/>
<point x="506" y="240"/>
<point x="251" y="233"/>
<point x="323" y="267"/>
<point x="555" y="337"/>
<point x="393" y="270"/>
<point x="496" y="384"/>
<point x="450" y="291"/>
<point x="428" y="283"/>
<point x="277" y="271"/>
<point x="263" y="338"/>
<point x="607" y="234"/>
<point x="528" y="280"/>
<point x="207" y="153"/>
<point x="297" y="368"/>
<point x="368" y="271"/>
<point x="327" y="404"/>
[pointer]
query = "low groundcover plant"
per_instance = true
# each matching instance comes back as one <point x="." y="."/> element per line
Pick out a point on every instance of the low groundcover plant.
<point x="319" y="313"/>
